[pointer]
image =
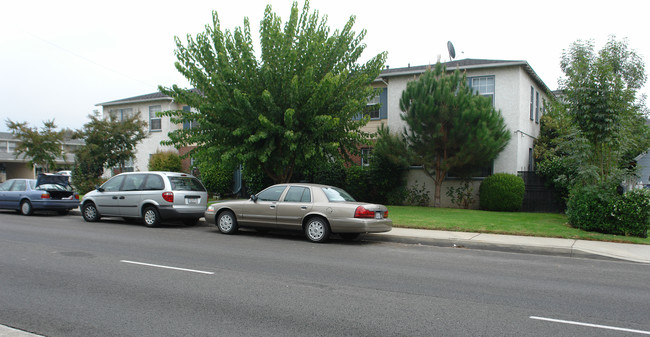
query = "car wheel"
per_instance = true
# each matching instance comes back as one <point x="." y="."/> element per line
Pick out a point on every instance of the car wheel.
<point x="190" y="222"/>
<point x="26" y="208"/>
<point x="151" y="217"/>
<point x="350" y="236"/>
<point x="89" y="212"/>
<point x="317" y="230"/>
<point x="227" y="222"/>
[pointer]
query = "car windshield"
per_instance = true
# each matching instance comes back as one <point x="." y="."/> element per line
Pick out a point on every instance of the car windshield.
<point x="335" y="194"/>
<point x="186" y="184"/>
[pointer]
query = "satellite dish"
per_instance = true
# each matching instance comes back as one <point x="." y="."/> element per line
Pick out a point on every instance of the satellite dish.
<point x="452" y="51"/>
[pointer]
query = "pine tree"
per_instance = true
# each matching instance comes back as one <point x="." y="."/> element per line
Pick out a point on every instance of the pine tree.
<point x="449" y="126"/>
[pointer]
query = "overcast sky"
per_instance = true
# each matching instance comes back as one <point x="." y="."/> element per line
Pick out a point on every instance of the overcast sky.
<point x="59" y="59"/>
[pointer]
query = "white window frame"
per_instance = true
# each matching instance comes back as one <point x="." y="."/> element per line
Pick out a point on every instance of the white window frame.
<point x="153" y="109"/>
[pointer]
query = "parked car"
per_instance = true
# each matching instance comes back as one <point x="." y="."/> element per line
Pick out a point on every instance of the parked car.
<point x="49" y="192"/>
<point x="151" y="197"/>
<point x="317" y="210"/>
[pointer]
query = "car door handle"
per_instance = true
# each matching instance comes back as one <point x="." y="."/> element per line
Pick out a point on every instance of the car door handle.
<point x="303" y="207"/>
<point x="272" y="206"/>
<point x="121" y="197"/>
<point x="114" y="197"/>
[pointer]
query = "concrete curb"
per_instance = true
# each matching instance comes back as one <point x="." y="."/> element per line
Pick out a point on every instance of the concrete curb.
<point x="510" y="243"/>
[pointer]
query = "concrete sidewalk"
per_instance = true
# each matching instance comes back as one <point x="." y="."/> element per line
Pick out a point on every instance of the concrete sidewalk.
<point x="513" y="243"/>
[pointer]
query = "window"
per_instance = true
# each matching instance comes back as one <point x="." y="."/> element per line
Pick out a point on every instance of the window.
<point x="372" y="108"/>
<point x="483" y="85"/>
<point x="113" y="184"/>
<point x="335" y="194"/>
<point x="185" y="183"/>
<point x="366" y="155"/>
<point x="11" y="147"/>
<point x="298" y="194"/>
<point x="3" y="147"/>
<point x="191" y="124"/>
<point x="537" y="107"/>
<point x="531" y="159"/>
<point x="154" y="182"/>
<point x="272" y="193"/>
<point x="155" y="123"/>
<point x="121" y="114"/>
<point x="532" y="101"/>
<point x="19" y="185"/>
<point x="133" y="182"/>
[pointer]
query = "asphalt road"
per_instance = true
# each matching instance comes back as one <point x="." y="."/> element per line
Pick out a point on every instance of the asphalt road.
<point x="60" y="276"/>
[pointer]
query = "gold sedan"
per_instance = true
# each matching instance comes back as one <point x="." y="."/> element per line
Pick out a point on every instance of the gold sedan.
<point x="317" y="210"/>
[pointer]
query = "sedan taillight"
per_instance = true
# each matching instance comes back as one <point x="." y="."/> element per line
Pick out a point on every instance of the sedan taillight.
<point x="386" y="214"/>
<point x="45" y="195"/>
<point x="168" y="196"/>
<point x="362" y="212"/>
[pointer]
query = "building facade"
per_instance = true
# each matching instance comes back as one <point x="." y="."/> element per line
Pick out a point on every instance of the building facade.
<point x="12" y="166"/>
<point x="514" y="87"/>
<point x="146" y="107"/>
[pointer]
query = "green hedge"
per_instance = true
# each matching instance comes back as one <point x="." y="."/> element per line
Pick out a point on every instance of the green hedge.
<point x="502" y="192"/>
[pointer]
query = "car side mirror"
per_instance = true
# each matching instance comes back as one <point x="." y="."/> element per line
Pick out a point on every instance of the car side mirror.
<point x="99" y="188"/>
<point x="253" y="197"/>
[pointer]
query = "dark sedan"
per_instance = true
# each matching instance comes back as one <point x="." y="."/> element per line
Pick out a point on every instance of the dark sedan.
<point x="50" y="192"/>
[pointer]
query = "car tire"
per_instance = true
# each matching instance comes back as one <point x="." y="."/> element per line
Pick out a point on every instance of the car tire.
<point x="89" y="212"/>
<point x="227" y="222"/>
<point x="317" y="230"/>
<point x="350" y="236"/>
<point x="26" y="208"/>
<point x="151" y="216"/>
<point x="190" y="222"/>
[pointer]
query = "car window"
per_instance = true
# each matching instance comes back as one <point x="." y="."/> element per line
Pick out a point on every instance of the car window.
<point x="335" y="194"/>
<point x="54" y="187"/>
<point x="5" y="186"/>
<point x="132" y="182"/>
<point x="272" y="193"/>
<point x="298" y="194"/>
<point x="32" y="184"/>
<point x="19" y="185"/>
<point x="186" y="184"/>
<point x="154" y="182"/>
<point x="113" y="185"/>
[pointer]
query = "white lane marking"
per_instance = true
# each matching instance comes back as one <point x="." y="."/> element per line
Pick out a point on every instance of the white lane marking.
<point x="590" y="325"/>
<point x="167" y="267"/>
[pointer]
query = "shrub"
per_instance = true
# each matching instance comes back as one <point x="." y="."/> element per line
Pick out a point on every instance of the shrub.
<point x="590" y="208"/>
<point x="502" y="192"/>
<point x="631" y="213"/>
<point x="463" y="195"/>
<point x="329" y="173"/>
<point x="417" y="196"/>
<point x="217" y="178"/>
<point x="165" y="161"/>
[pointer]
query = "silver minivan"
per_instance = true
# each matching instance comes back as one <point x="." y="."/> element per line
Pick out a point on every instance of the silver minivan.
<point x="149" y="196"/>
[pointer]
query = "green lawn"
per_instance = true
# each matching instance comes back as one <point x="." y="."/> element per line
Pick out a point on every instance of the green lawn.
<point x="514" y="223"/>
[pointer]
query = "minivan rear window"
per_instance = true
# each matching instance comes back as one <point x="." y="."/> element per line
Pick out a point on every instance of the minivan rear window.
<point x="186" y="184"/>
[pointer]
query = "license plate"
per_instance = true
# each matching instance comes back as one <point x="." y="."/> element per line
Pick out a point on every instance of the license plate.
<point x="378" y="215"/>
<point x="192" y="200"/>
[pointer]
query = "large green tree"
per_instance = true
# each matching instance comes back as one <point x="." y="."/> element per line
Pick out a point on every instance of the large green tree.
<point x="450" y="127"/>
<point x="294" y="106"/>
<point x="42" y="147"/>
<point x="601" y="97"/>
<point x="598" y="125"/>
<point x="109" y="142"/>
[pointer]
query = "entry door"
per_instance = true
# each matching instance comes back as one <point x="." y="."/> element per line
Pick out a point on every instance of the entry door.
<point x="107" y="201"/>
<point x="262" y="211"/>
<point x="294" y="206"/>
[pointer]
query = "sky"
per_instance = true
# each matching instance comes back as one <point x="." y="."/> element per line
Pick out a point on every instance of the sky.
<point x="59" y="59"/>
